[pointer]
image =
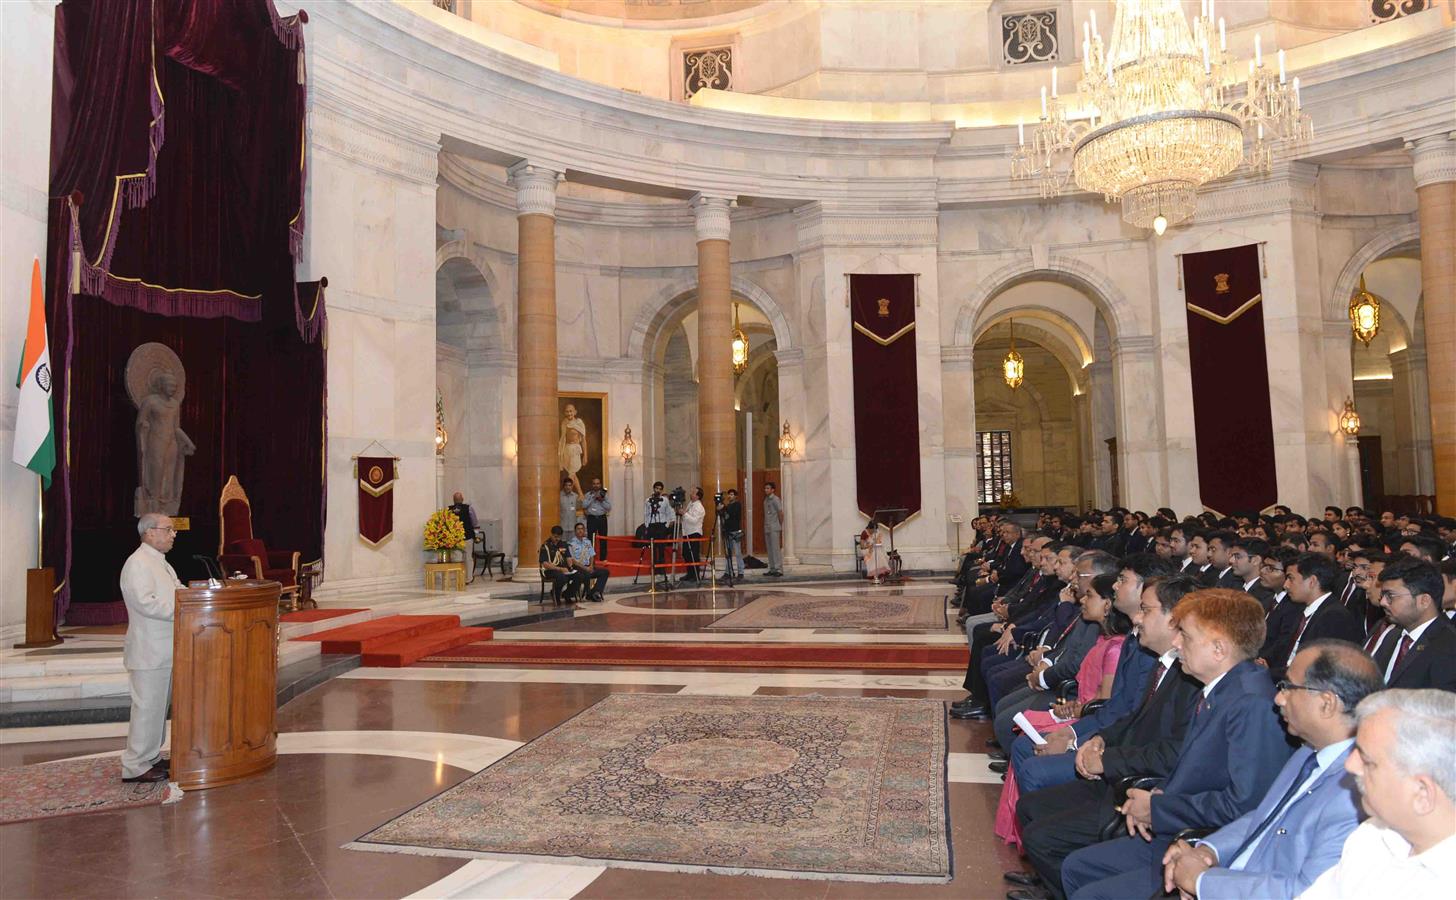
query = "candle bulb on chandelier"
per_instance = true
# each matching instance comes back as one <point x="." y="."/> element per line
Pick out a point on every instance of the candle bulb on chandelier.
<point x="1211" y="13"/>
<point x="1222" y="38"/>
<point x="1281" y="66"/>
<point x="1207" y="65"/>
<point x="1258" y="53"/>
<point x="1092" y="17"/>
<point x="1043" y="102"/>
<point x="1296" y="92"/>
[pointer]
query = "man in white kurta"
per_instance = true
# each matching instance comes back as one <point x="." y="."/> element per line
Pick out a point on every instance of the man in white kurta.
<point x="149" y="587"/>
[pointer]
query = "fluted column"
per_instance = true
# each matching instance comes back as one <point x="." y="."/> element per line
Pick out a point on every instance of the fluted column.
<point x="537" y="467"/>
<point x="717" y="426"/>
<point x="1435" y="175"/>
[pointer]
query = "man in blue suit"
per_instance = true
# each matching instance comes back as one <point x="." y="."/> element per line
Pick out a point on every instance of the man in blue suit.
<point x="1279" y="848"/>
<point x="1233" y="750"/>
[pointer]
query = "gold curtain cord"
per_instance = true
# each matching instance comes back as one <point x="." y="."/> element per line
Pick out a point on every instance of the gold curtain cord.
<point x="884" y="341"/>
<point x="1225" y="320"/>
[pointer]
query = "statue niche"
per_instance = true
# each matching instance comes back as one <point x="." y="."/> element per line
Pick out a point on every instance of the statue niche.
<point x="156" y="383"/>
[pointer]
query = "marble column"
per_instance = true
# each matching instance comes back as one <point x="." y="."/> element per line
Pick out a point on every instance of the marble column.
<point x="537" y="468"/>
<point x="717" y="424"/>
<point x="1435" y="175"/>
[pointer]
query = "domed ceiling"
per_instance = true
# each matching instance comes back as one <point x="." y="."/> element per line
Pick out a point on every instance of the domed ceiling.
<point x="642" y="11"/>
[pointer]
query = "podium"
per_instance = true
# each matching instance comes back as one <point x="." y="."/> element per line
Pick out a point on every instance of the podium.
<point x="224" y="683"/>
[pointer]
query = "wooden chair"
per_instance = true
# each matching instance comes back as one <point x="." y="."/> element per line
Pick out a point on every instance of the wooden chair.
<point x="240" y="551"/>
<point x="483" y="557"/>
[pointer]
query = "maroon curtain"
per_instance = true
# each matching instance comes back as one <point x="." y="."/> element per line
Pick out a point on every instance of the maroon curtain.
<point x="177" y="177"/>
<point x="886" y="397"/>
<point x="1229" y="367"/>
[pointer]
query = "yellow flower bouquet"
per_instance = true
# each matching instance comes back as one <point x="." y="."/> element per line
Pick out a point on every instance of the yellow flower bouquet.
<point x="444" y="532"/>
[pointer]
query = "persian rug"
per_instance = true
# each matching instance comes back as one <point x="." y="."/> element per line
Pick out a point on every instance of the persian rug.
<point x="868" y="611"/>
<point x="75" y="786"/>
<point x="806" y="787"/>
<point x="712" y="653"/>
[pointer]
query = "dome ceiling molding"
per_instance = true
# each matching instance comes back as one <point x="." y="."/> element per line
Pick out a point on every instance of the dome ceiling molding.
<point x="645" y="16"/>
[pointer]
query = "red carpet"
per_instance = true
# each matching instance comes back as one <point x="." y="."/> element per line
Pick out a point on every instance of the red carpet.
<point x="662" y="653"/>
<point x="395" y="641"/>
<point x="317" y="615"/>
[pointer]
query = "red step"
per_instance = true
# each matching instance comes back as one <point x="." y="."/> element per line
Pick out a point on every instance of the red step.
<point x="402" y="652"/>
<point x="366" y="636"/>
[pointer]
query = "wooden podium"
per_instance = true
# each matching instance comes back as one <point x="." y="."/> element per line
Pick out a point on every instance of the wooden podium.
<point x="224" y="683"/>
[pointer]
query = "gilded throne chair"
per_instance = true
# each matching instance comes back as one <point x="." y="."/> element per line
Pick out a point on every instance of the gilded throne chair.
<point x="240" y="551"/>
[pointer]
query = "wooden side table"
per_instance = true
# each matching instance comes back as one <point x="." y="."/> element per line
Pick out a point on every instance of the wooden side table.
<point x="444" y="572"/>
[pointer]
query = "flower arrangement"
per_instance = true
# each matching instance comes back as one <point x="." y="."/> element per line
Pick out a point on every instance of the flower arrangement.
<point x="444" y="531"/>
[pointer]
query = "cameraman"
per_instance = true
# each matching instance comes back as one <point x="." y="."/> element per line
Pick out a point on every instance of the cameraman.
<point x="597" y="506"/>
<point x="657" y="514"/>
<point x="730" y="519"/>
<point x="692" y="531"/>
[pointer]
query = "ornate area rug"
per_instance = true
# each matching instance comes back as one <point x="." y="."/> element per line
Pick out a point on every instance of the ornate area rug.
<point x="71" y="787"/>
<point x="804" y="787"/>
<point x="870" y="611"/>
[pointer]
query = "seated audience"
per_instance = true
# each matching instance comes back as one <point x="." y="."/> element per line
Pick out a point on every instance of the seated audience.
<point x="1234" y="748"/>
<point x="1406" y="774"/>
<point x="1280" y="847"/>
<point x="591" y="578"/>
<point x="1420" y="650"/>
<point x="1310" y="580"/>
<point x="1246" y="559"/>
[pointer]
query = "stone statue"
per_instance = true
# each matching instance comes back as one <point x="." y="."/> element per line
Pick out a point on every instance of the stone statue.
<point x="156" y="383"/>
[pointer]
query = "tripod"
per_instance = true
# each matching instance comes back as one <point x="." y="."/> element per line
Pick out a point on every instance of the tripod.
<point x="720" y="545"/>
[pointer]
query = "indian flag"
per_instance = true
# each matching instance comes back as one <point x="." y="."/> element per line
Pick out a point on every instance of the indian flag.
<point x="35" y="428"/>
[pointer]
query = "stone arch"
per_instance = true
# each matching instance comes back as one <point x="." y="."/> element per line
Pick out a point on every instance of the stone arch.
<point x="1404" y="237"/>
<point x="464" y="263"/>
<point x="1104" y="294"/>
<point x="672" y="299"/>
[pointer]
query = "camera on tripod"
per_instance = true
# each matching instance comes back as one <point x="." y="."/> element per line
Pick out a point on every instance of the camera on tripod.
<point x="678" y="498"/>
<point x="718" y="499"/>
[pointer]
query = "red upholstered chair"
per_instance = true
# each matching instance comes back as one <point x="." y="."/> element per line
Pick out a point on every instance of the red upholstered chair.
<point x="239" y="551"/>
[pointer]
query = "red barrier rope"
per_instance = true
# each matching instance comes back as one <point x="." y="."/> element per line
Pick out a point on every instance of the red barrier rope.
<point x="644" y="549"/>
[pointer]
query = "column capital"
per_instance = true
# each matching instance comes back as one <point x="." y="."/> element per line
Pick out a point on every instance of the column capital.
<point x="535" y="188"/>
<point x="711" y="217"/>
<point x="1433" y="158"/>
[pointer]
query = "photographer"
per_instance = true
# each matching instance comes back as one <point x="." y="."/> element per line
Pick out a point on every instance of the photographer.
<point x="657" y="515"/>
<point x="692" y="531"/>
<point x="730" y="519"/>
<point x="597" y="507"/>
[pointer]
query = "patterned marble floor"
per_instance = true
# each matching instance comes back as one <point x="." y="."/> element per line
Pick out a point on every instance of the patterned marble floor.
<point x="375" y="742"/>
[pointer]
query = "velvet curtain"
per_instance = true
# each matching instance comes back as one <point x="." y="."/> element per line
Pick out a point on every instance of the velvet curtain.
<point x="886" y="393"/>
<point x="177" y="178"/>
<point x="1228" y="362"/>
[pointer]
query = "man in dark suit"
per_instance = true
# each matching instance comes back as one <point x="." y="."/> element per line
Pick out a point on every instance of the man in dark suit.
<point x="1283" y="614"/>
<point x="1220" y="545"/>
<point x="1068" y="816"/>
<point x="1232" y="752"/>
<point x="1246" y="558"/>
<point x="1022" y="613"/>
<point x="1002" y="571"/>
<point x="1295" y="833"/>
<point x="1420" y="652"/>
<point x="1109" y="537"/>
<point x="1310" y="580"/>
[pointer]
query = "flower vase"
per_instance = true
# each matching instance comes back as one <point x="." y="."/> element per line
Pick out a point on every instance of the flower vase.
<point x="442" y="555"/>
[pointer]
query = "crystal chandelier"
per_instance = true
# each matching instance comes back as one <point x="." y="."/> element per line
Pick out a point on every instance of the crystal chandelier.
<point x="1161" y="119"/>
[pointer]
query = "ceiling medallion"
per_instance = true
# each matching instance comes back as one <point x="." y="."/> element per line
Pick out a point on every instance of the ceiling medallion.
<point x="1161" y="116"/>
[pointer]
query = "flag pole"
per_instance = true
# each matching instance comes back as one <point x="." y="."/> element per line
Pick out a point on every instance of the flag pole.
<point x="39" y="521"/>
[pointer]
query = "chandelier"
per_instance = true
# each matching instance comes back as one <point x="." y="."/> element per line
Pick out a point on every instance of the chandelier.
<point x="1013" y="367"/>
<point x="740" y="345"/>
<point x="629" y="447"/>
<point x="1160" y="119"/>
<point x="1349" y="419"/>
<point x="1364" y="314"/>
<point x="786" y="442"/>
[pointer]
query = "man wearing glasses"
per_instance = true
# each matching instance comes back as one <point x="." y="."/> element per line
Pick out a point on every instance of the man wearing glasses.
<point x="1420" y="651"/>
<point x="149" y="587"/>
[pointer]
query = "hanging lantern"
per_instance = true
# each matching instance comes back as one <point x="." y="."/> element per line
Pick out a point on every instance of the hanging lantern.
<point x="1364" y="314"/>
<point x="1349" y="419"/>
<point x="629" y="447"/>
<point x="1013" y="367"/>
<point x="740" y="345"/>
<point x="786" y="443"/>
<point x="442" y="437"/>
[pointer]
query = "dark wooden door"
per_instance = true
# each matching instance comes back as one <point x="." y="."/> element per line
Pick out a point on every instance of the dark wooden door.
<point x="1372" y="472"/>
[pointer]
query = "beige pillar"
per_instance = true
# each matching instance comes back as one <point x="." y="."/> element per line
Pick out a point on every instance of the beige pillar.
<point x="717" y="456"/>
<point x="537" y="469"/>
<point x="1435" y="175"/>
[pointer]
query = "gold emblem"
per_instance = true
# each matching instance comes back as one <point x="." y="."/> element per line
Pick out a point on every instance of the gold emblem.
<point x="376" y="475"/>
<point x="884" y="308"/>
<point x="1220" y="283"/>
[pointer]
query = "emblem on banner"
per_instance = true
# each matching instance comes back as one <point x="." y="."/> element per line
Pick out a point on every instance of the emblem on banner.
<point x="1220" y="283"/>
<point x="884" y="308"/>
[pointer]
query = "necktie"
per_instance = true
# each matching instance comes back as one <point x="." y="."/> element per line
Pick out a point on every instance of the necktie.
<point x="1376" y="638"/>
<point x="1405" y="644"/>
<point x="1155" y="681"/>
<point x="1303" y="624"/>
<point x="1202" y="705"/>
<point x="1349" y="591"/>
<point x="1277" y="811"/>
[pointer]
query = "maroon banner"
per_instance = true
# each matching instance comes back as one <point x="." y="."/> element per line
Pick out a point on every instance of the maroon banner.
<point x="886" y="396"/>
<point x="1228" y="363"/>
<point x="376" y="497"/>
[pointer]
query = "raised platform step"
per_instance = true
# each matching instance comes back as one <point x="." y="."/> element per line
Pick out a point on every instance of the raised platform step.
<point x="396" y="654"/>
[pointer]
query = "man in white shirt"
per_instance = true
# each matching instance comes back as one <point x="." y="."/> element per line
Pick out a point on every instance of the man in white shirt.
<point x="1406" y="772"/>
<point x="149" y="587"/>
<point x="692" y="531"/>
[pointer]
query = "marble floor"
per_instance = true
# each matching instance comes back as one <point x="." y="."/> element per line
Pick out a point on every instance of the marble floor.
<point x="373" y="743"/>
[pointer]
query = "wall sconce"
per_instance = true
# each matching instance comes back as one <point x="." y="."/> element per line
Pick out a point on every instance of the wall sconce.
<point x="1013" y="367"/>
<point x="1364" y="314"/>
<point x="786" y="442"/>
<point x="1350" y="419"/>
<point x="442" y="437"/>
<point x="629" y="447"/>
